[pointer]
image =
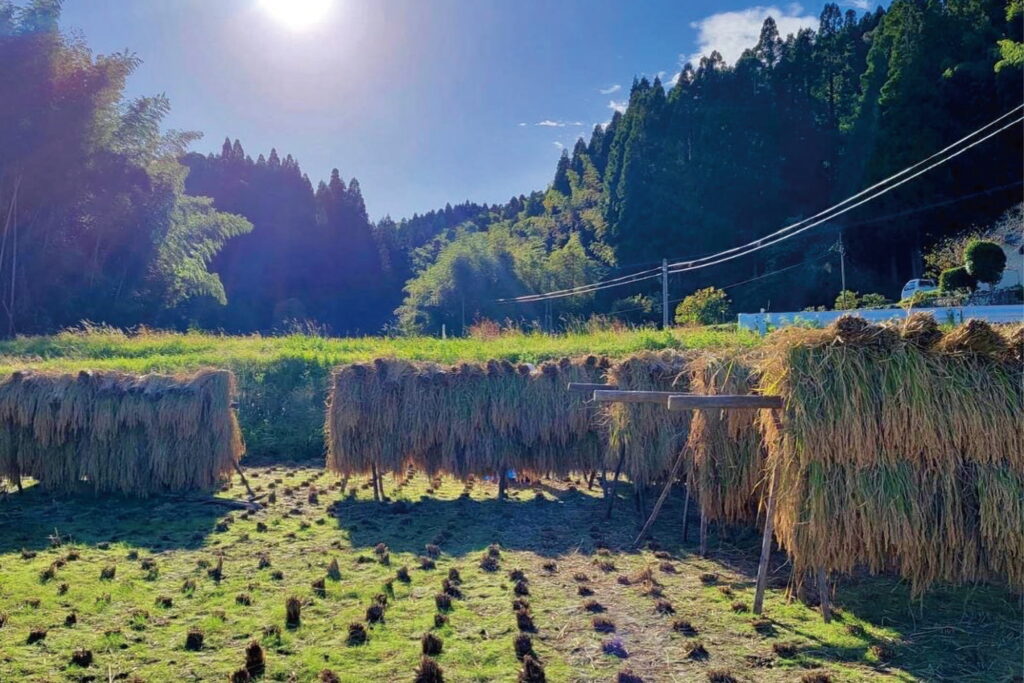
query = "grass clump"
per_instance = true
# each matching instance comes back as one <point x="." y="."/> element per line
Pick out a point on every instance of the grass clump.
<point x="194" y="639"/>
<point x="429" y="671"/>
<point x="292" y="612"/>
<point x="357" y="634"/>
<point x="431" y="644"/>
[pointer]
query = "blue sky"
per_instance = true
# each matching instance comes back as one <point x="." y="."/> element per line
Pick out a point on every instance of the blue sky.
<point x="425" y="101"/>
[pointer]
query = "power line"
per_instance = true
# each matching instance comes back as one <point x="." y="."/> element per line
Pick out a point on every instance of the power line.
<point x="874" y="191"/>
<point x="744" y="282"/>
<point x="838" y="209"/>
<point x="876" y="219"/>
<point x="761" y="244"/>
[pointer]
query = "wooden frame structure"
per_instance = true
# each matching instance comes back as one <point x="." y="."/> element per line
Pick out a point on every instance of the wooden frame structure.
<point x="677" y="401"/>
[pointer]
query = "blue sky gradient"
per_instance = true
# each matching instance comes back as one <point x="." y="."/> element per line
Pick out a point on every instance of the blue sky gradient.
<point x="425" y="102"/>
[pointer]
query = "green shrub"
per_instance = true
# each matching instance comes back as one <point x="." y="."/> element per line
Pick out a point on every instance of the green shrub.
<point x="873" y="300"/>
<point x="708" y="306"/>
<point x="846" y="301"/>
<point x="953" y="279"/>
<point x="985" y="261"/>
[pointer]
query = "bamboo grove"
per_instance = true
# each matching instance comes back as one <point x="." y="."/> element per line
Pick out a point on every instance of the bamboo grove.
<point x="901" y="448"/>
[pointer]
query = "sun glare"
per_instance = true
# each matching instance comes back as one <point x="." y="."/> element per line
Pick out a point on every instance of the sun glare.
<point x="297" y="15"/>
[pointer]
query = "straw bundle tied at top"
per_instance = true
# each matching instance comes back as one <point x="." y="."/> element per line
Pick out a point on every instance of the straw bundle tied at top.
<point x="895" y="453"/>
<point x="650" y="435"/>
<point x="726" y="468"/>
<point x="121" y="433"/>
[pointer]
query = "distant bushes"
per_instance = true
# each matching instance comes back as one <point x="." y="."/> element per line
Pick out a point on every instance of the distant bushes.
<point x="708" y="306"/>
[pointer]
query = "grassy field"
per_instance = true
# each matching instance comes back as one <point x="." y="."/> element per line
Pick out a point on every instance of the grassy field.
<point x="282" y="381"/>
<point x="161" y="581"/>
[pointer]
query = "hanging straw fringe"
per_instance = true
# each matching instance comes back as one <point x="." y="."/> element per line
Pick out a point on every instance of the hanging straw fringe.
<point x="127" y="434"/>
<point x="902" y="450"/>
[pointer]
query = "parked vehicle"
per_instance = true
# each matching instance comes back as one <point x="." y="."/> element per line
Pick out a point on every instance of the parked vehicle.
<point x="919" y="285"/>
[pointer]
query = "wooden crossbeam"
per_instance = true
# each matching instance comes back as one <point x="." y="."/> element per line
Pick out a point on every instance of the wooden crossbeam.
<point x="587" y="387"/>
<point x="701" y="402"/>
<point x="615" y="396"/>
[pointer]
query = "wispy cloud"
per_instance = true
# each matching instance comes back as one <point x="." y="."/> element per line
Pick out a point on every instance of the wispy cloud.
<point x="618" y="105"/>
<point x="548" y="123"/>
<point x="558" y="144"/>
<point x="610" y="89"/>
<point x="522" y="125"/>
<point x="859" y="4"/>
<point x="732" y="32"/>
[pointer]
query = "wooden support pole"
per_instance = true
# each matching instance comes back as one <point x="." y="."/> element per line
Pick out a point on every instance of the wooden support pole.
<point x="661" y="499"/>
<point x="703" y="534"/>
<point x="824" y="599"/>
<point x="611" y="492"/>
<point x="502" y="482"/>
<point x="766" y="547"/>
<point x="245" y="481"/>
<point x="686" y="510"/>
<point x="373" y="480"/>
<point x="766" y="537"/>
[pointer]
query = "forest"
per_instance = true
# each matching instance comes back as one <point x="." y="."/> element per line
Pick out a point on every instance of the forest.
<point x="108" y="217"/>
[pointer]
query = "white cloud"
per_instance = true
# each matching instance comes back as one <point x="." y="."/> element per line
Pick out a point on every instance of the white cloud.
<point x="548" y="123"/>
<point x="859" y="4"/>
<point x="557" y="144"/>
<point x="732" y="32"/>
<point x="675" y="79"/>
<point x="618" y="105"/>
<point x="610" y="89"/>
<point x="521" y="125"/>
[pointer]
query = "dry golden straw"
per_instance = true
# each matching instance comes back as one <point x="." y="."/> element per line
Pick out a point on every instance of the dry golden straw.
<point x="127" y="434"/>
<point x="471" y="419"/>
<point x="726" y="469"/>
<point x="899" y="453"/>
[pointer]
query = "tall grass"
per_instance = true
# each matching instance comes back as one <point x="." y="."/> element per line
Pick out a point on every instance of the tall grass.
<point x="282" y="380"/>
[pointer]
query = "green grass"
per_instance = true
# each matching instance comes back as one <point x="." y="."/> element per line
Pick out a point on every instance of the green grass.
<point x="282" y="381"/>
<point x="962" y="635"/>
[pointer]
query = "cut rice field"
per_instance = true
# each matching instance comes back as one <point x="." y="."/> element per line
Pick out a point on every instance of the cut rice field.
<point x="176" y="588"/>
<point x="282" y="381"/>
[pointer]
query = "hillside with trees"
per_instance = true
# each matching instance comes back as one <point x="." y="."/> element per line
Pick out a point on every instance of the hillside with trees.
<point x="148" y="233"/>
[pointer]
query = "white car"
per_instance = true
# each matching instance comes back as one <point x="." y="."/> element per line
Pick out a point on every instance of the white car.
<point x="915" y="286"/>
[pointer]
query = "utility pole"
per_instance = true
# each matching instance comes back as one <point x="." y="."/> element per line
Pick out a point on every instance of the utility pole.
<point x="664" y="294"/>
<point x="842" y="262"/>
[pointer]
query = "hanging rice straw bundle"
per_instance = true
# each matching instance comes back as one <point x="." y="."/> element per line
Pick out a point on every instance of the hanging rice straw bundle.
<point x="648" y="435"/>
<point x="470" y="419"/>
<point x="727" y="462"/>
<point x="127" y="434"/>
<point x="897" y="457"/>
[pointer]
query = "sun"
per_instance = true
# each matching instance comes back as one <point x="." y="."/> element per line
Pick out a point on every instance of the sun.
<point x="297" y="15"/>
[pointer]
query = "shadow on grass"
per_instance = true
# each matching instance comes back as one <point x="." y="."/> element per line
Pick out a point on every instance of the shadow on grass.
<point x="563" y="521"/>
<point x="31" y="518"/>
